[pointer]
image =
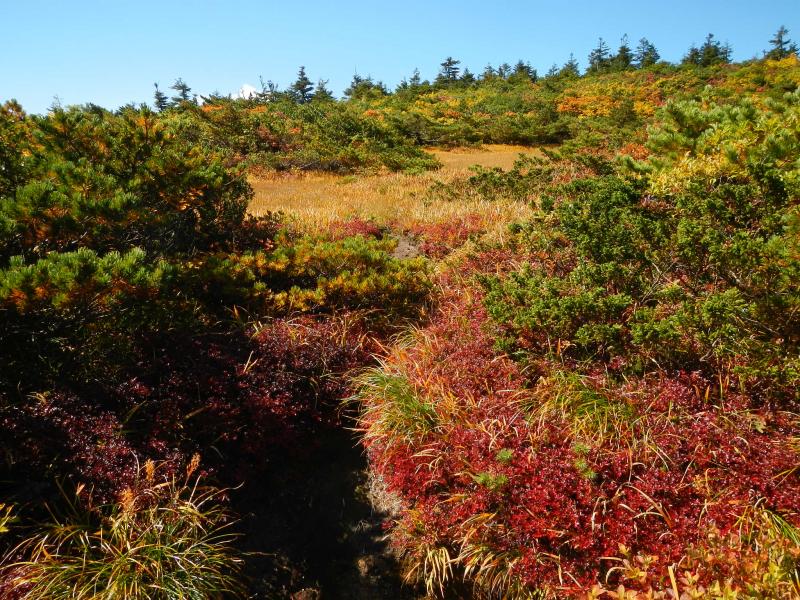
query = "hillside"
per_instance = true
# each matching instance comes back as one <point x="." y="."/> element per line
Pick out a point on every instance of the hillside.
<point x="542" y="332"/>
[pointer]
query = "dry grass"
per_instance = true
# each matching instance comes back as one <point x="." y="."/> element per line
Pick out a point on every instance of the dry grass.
<point x="399" y="200"/>
<point x="489" y="155"/>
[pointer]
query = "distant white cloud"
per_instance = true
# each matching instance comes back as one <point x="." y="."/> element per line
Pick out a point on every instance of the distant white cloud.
<point x="247" y="91"/>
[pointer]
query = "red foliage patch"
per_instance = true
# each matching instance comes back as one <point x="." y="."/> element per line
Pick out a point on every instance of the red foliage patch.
<point x="440" y="239"/>
<point x="248" y="399"/>
<point x="339" y="230"/>
<point x="689" y="458"/>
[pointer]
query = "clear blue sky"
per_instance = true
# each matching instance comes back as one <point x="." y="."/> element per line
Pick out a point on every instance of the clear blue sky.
<point x="110" y="52"/>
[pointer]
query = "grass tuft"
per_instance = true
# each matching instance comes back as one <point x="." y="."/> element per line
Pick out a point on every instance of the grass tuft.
<point x="163" y="540"/>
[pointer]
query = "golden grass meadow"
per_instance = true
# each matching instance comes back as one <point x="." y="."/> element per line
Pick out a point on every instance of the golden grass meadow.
<point x="398" y="200"/>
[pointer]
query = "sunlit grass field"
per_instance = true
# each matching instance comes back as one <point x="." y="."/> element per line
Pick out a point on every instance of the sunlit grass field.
<point x="398" y="200"/>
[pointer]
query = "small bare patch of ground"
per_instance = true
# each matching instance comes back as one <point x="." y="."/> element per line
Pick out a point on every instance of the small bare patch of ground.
<point x="406" y="247"/>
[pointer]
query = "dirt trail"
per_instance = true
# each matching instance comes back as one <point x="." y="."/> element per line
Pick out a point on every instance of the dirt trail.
<point x="313" y="518"/>
<point x="311" y="515"/>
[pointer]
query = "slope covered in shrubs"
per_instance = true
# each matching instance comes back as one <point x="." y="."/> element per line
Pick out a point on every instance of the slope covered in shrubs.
<point x="598" y="401"/>
<point x="606" y="405"/>
<point x="146" y="319"/>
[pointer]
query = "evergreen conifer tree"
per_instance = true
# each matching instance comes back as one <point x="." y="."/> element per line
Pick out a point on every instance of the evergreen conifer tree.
<point x="781" y="45"/>
<point x="467" y="77"/>
<point x="321" y="92"/>
<point x="302" y="88"/>
<point x="599" y="58"/>
<point x="365" y="87"/>
<point x="160" y="99"/>
<point x="449" y="70"/>
<point x="646" y="54"/>
<point x="523" y="72"/>
<point x="184" y="92"/>
<point x="712" y="52"/>
<point x="623" y="59"/>
<point x="571" y="68"/>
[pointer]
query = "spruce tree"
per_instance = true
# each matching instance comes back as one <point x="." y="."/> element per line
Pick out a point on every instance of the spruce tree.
<point x="571" y="68"/>
<point x="523" y="72"/>
<point x="321" y="92"/>
<point x="693" y="56"/>
<point x="365" y="87"/>
<point x="357" y="83"/>
<point x="781" y="45"/>
<point x="467" y="77"/>
<point x="712" y="52"/>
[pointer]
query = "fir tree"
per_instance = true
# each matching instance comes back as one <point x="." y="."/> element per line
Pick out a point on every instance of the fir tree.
<point x="160" y="99"/>
<point x="365" y="87"/>
<point x="467" y="77"/>
<point x="693" y="56"/>
<point x="184" y="91"/>
<point x="415" y="80"/>
<point x="321" y="92"/>
<point x="623" y="59"/>
<point x="712" y="52"/>
<point x="781" y="45"/>
<point x="355" y="84"/>
<point x="449" y="70"/>
<point x="523" y="72"/>
<point x="302" y="87"/>
<point x="646" y="54"/>
<point x="599" y="58"/>
<point x="571" y="68"/>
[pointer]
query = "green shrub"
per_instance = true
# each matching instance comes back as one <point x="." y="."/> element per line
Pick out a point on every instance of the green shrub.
<point x="693" y="265"/>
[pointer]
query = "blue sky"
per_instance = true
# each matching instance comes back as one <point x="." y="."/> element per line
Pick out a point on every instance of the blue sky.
<point x="111" y="52"/>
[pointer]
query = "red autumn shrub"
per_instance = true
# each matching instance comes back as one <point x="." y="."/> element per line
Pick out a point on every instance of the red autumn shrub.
<point x="540" y="479"/>
<point x="249" y="398"/>
<point x="339" y="230"/>
<point x="440" y="239"/>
